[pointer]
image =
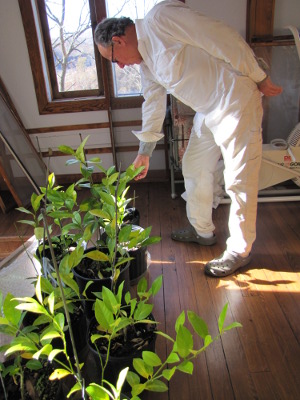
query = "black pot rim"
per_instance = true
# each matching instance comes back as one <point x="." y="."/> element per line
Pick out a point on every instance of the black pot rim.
<point x="88" y="279"/>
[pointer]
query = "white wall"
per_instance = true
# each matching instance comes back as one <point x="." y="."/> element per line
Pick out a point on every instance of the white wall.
<point x="232" y="12"/>
<point x="287" y="12"/>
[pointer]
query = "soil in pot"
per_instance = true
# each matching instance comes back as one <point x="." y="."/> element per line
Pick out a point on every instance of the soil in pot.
<point x="139" y="337"/>
<point x="37" y="385"/>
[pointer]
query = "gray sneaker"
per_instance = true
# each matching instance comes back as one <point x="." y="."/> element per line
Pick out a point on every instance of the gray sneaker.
<point x="226" y="264"/>
<point x="189" y="234"/>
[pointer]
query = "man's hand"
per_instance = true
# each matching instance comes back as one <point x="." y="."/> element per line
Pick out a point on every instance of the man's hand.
<point x="268" y="88"/>
<point x="141" y="161"/>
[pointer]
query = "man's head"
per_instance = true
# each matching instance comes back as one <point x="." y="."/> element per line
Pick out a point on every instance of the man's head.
<point x="117" y="41"/>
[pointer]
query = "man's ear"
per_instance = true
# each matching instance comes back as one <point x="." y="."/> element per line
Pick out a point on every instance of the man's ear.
<point x="118" y="40"/>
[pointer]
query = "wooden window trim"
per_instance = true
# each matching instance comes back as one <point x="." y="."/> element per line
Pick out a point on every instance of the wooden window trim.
<point x="67" y="105"/>
<point x="260" y="24"/>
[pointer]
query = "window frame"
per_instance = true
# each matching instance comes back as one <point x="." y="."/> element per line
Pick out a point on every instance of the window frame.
<point x="79" y="101"/>
<point x="51" y="64"/>
<point x="48" y="100"/>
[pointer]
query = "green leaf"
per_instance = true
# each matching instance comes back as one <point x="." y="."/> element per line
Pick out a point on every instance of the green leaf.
<point x="97" y="255"/>
<point x="137" y="389"/>
<point x="9" y="309"/>
<point x="59" y="319"/>
<point x="142" y="286"/>
<point x="151" y="358"/>
<point x="74" y="389"/>
<point x="24" y="210"/>
<point x="97" y="392"/>
<point x="222" y="317"/>
<point x="139" y="366"/>
<point x="132" y="378"/>
<point x="54" y="353"/>
<point x="103" y="315"/>
<point x="44" y="350"/>
<point x="70" y="282"/>
<point x="39" y="233"/>
<point x="36" y="201"/>
<point x="121" y="378"/>
<point x="207" y="341"/>
<point x="51" y="301"/>
<point x="107" y="198"/>
<point x="180" y="321"/>
<point x="34" y="365"/>
<point x="163" y="334"/>
<point x="38" y="290"/>
<point x="184" y="341"/>
<point x="168" y="373"/>
<point x="124" y="233"/>
<point x="79" y="153"/>
<point x="59" y="374"/>
<point x="198" y="324"/>
<point x="156" y="386"/>
<point x="33" y="307"/>
<point x="66" y="150"/>
<point x="25" y="221"/>
<point x="173" y="358"/>
<point x="233" y="325"/>
<point x="50" y="335"/>
<point x="100" y="213"/>
<point x="143" y="311"/>
<point x="156" y="285"/>
<point x="186" y="367"/>
<point x="110" y="300"/>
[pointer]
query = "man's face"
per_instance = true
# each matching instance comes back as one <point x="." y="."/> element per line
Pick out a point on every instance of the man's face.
<point x="121" y="53"/>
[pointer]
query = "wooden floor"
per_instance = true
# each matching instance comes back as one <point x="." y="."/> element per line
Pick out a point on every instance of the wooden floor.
<point x="259" y="361"/>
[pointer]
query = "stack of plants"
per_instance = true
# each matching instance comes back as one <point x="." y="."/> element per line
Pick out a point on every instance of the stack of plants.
<point x="91" y="237"/>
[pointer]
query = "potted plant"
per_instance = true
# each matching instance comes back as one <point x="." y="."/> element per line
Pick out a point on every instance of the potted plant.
<point x="145" y="371"/>
<point x="102" y="224"/>
<point x="120" y="330"/>
<point x="21" y="374"/>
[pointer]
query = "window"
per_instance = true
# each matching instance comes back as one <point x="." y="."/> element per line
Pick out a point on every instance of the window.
<point x="69" y="74"/>
<point x="69" y="42"/>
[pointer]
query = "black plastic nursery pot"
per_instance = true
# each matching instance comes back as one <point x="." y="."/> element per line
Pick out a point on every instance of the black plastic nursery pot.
<point x="132" y="216"/>
<point x="123" y="357"/>
<point x="60" y="248"/>
<point x="97" y="284"/>
<point x="139" y="262"/>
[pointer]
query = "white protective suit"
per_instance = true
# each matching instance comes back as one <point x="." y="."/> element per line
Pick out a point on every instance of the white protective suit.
<point x="209" y="67"/>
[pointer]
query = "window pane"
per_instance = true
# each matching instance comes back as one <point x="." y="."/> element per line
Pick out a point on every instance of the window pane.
<point x="72" y="44"/>
<point x="127" y="81"/>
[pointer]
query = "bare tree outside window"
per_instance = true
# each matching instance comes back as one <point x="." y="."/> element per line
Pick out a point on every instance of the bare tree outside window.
<point x="72" y="44"/>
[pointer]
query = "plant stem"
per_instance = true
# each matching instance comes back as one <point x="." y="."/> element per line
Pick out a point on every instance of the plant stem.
<point x="116" y="238"/>
<point x="3" y="386"/>
<point x="22" y="383"/>
<point x="80" y="378"/>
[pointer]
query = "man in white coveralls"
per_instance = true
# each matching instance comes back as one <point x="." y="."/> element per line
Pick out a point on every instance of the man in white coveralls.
<point x="209" y="67"/>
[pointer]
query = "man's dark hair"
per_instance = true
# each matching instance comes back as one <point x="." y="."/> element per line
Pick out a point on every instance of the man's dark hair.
<point x="110" y="27"/>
